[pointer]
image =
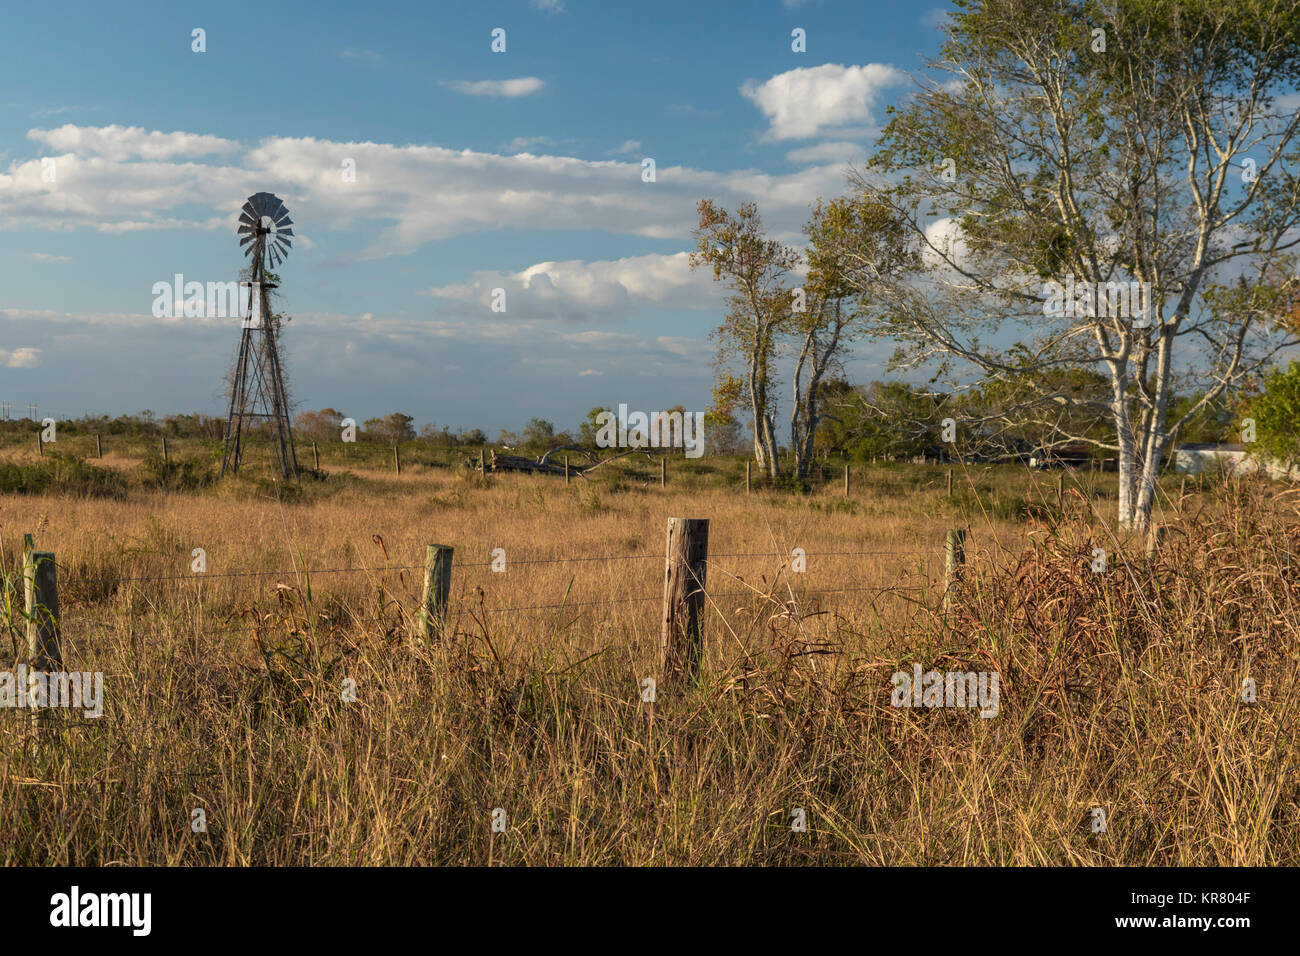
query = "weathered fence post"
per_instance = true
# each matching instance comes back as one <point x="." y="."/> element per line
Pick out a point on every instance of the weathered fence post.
<point x="566" y="469"/>
<point x="315" y="455"/>
<point x="687" y="557"/>
<point x="954" y="561"/>
<point x="663" y="472"/>
<point x="41" y="600"/>
<point x="846" y="479"/>
<point x="437" y="590"/>
<point x="748" y="466"/>
<point x="40" y="445"/>
<point x="397" y="459"/>
<point x="950" y="481"/>
<point x="482" y="462"/>
<point x="166" y="459"/>
<point x="41" y="593"/>
<point x="99" y="447"/>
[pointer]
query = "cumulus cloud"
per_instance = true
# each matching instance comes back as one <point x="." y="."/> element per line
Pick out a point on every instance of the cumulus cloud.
<point x="520" y="86"/>
<point x="578" y="290"/>
<point x="119" y="143"/>
<point x="20" y="358"/>
<point x="801" y="103"/>
<point x="417" y="194"/>
<point x="946" y="242"/>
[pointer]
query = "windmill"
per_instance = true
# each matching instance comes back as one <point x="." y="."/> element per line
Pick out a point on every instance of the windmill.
<point x="257" y="391"/>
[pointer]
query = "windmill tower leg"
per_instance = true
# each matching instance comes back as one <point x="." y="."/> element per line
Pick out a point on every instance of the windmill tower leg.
<point x="233" y="453"/>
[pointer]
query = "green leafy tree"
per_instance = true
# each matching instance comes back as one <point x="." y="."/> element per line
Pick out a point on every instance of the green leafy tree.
<point x="1276" y="412"/>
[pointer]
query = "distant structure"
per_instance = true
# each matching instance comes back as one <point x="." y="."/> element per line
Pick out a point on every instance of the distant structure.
<point x="1069" y="455"/>
<point x="257" y="393"/>
<point x="1194" y="458"/>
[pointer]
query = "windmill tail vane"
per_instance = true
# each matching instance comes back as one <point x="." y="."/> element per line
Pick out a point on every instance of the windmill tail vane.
<point x="257" y="390"/>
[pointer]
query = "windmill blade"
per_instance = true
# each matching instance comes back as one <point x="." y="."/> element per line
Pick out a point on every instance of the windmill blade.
<point x="284" y="241"/>
<point x="262" y="202"/>
<point x="284" y="232"/>
<point x="282" y="217"/>
<point x="273" y="208"/>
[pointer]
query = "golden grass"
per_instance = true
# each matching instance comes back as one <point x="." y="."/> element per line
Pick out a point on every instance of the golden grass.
<point x="1120" y="691"/>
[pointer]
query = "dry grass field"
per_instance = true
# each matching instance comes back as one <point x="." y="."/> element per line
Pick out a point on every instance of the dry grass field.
<point x="224" y="691"/>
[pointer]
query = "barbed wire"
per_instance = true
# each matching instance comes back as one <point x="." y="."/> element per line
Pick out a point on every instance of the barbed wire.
<point x="196" y="575"/>
<point x="566" y="605"/>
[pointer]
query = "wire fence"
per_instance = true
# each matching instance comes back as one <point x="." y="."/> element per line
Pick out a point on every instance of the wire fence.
<point x="73" y="580"/>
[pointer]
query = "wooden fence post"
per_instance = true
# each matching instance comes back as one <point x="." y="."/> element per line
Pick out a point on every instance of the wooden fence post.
<point x="748" y="466"/>
<point x="315" y="455"/>
<point x="687" y="557"/>
<point x="99" y="448"/>
<point x="41" y="598"/>
<point x="663" y="472"/>
<point x="566" y="469"/>
<point x="954" y="561"/>
<point x="482" y="462"/>
<point x="846" y="479"/>
<point x="437" y="590"/>
<point x="950" y="482"/>
<point x="40" y="445"/>
<point x="166" y="460"/>
<point x="397" y="459"/>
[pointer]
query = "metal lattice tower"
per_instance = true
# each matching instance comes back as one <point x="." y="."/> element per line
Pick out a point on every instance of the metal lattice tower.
<point x="257" y="392"/>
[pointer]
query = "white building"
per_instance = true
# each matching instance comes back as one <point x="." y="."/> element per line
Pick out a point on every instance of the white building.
<point x="1193" y="458"/>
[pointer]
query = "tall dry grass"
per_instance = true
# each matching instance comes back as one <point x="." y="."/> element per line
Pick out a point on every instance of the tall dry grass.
<point x="1119" y="690"/>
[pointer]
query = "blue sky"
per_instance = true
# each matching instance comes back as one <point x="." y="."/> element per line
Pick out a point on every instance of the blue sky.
<point x="474" y="170"/>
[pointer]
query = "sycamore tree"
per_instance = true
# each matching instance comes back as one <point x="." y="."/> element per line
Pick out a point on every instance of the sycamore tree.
<point x="1076" y="177"/>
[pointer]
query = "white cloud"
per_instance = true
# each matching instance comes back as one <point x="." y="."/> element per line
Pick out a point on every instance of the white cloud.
<point x="946" y="242"/>
<point x="59" y="110"/>
<point x="829" y="152"/>
<point x="523" y="144"/>
<point x="549" y="6"/>
<point x="585" y="291"/>
<point x="936" y="17"/>
<point x="119" y="143"/>
<point x="801" y="103"/>
<point x="415" y="194"/>
<point x="629" y="146"/>
<point x="20" y="358"/>
<point x="589" y="371"/>
<point x="48" y="257"/>
<point x="521" y="86"/>
<point x="369" y="56"/>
